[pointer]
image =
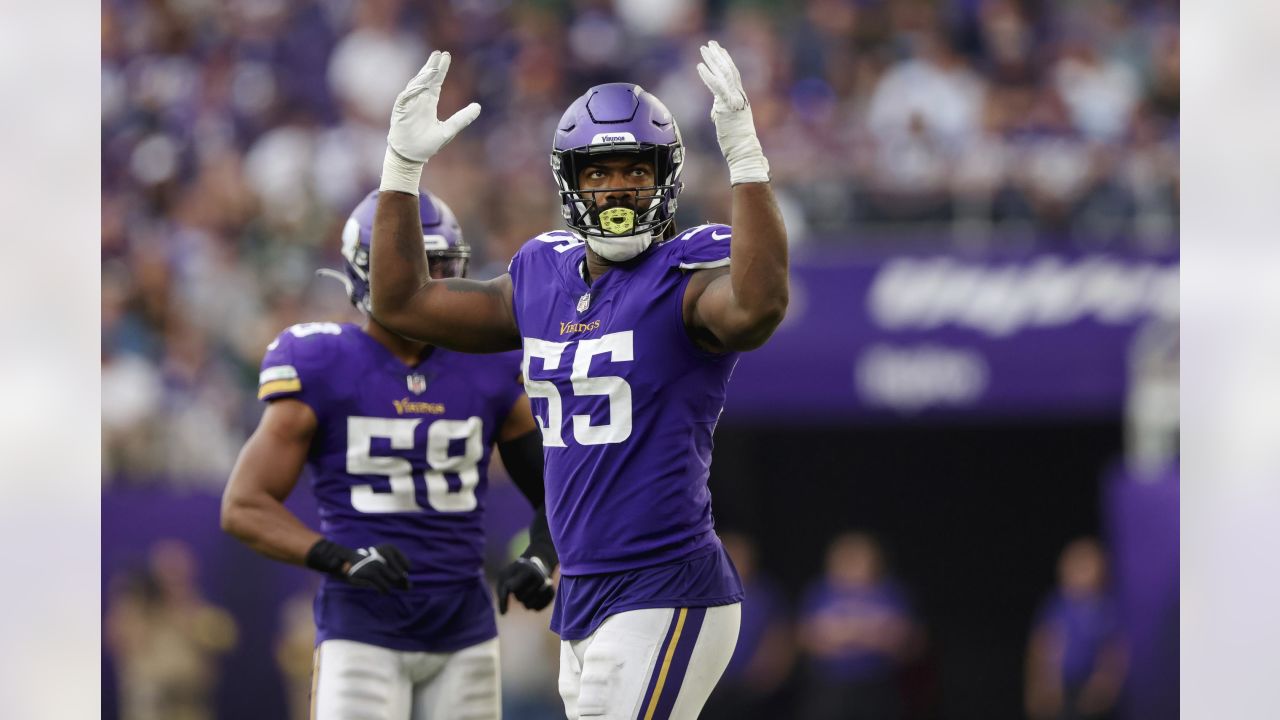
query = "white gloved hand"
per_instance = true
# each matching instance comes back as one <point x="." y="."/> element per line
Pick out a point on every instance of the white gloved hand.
<point x="731" y="113"/>
<point x="416" y="134"/>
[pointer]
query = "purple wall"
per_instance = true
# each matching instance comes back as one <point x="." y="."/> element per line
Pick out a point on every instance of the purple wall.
<point x="248" y="585"/>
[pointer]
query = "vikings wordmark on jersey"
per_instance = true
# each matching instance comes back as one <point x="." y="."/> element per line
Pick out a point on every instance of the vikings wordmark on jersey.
<point x="400" y="454"/>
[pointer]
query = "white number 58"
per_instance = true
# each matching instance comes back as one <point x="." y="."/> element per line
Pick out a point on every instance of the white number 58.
<point x="399" y="472"/>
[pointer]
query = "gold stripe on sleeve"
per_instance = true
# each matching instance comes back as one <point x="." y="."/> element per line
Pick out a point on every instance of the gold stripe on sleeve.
<point x="278" y="386"/>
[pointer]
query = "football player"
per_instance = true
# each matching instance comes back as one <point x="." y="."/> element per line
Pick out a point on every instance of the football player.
<point x="630" y="330"/>
<point x="397" y="435"/>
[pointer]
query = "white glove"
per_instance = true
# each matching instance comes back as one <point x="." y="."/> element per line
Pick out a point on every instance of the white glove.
<point x="416" y="135"/>
<point x="731" y="114"/>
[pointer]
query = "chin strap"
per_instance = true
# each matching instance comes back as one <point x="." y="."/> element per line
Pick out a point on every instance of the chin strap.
<point x="620" y="249"/>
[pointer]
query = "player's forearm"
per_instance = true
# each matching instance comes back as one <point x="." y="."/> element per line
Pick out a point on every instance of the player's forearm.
<point x="758" y="259"/>
<point x="397" y="264"/>
<point x="266" y="525"/>
<point x="455" y="313"/>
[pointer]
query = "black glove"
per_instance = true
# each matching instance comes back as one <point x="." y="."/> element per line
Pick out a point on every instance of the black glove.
<point x="382" y="567"/>
<point x="529" y="579"/>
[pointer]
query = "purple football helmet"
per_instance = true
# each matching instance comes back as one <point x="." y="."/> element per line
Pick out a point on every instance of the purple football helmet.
<point x="618" y="118"/>
<point x="448" y="253"/>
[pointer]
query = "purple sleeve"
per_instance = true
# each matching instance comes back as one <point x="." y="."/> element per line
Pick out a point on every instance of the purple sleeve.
<point x="290" y="367"/>
<point x="536" y="250"/>
<point x="702" y="247"/>
<point x="515" y="269"/>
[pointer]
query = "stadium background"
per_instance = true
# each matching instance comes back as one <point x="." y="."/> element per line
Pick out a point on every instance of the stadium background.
<point x="924" y="154"/>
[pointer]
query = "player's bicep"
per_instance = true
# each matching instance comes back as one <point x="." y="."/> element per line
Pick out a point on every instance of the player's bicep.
<point x="462" y="314"/>
<point x="274" y="455"/>
<point x="711" y="314"/>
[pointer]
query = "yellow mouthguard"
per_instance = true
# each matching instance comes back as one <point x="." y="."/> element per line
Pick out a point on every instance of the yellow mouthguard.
<point x="618" y="220"/>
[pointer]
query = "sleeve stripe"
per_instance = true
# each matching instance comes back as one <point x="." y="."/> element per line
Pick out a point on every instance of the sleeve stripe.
<point x="722" y="262"/>
<point x="278" y="372"/>
<point x="278" y="386"/>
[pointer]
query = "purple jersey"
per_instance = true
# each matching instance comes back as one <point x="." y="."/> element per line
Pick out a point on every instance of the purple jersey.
<point x="627" y="404"/>
<point x="877" y="603"/>
<point x="1081" y="628"/>
<point x="400" y="455"/>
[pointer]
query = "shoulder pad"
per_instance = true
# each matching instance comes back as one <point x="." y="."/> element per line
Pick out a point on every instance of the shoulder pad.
<point x="292" y="354"/>
<point x="558" y="240"/>
<point x="542" y="260"/>
<point x="701" y="247"/>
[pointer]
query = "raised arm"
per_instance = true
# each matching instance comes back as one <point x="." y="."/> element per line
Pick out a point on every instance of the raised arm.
<point x="742" y="307"/>
<point x="456" y="313"/>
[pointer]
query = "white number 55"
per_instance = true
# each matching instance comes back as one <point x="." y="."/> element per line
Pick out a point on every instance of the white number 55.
<point x="619" y="346"/>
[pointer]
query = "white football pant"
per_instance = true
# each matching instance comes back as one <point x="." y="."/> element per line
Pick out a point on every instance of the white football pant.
<point x="656" y="664"/>
<point x="354" y="680"/>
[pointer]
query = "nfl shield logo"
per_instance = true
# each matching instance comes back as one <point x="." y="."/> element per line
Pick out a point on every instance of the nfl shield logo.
<point x="417" y="384"/>
<point x="584" y="302"/>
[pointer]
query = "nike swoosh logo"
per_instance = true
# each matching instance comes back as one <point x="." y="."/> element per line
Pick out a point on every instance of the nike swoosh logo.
<point x="717" y="236"/>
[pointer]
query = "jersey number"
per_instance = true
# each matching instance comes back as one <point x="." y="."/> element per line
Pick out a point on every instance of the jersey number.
<point x="560" y="240"/>
<point x="619" y="347"/>
<point x="399" y="471"/>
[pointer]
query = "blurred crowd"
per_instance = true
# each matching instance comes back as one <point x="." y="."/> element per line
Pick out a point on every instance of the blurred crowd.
<point x="237" y="135"/>
<point x="850" y="646"/>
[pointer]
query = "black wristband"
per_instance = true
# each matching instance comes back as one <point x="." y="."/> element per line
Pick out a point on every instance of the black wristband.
<point x="328" y="557"/>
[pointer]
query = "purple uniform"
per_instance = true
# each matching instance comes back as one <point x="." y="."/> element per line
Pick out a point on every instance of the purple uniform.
<point x="400" y="455"/>
<point x="1081" y="628"/>
<point x="882" y="602"/>
<point x="627" y="403"/>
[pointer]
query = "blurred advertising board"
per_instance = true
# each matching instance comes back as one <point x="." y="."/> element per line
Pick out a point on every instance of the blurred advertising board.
<point x="911" y="335"/>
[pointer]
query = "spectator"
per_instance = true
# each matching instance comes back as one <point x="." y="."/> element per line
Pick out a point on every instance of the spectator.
<point x="295" y="648"/>
<point x="1101" y="94"/>
<point x="165" y="638"/>
<point x="235" y="136"/>
<point x="1076" y="657"/>
<point x="856" y="628"/>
